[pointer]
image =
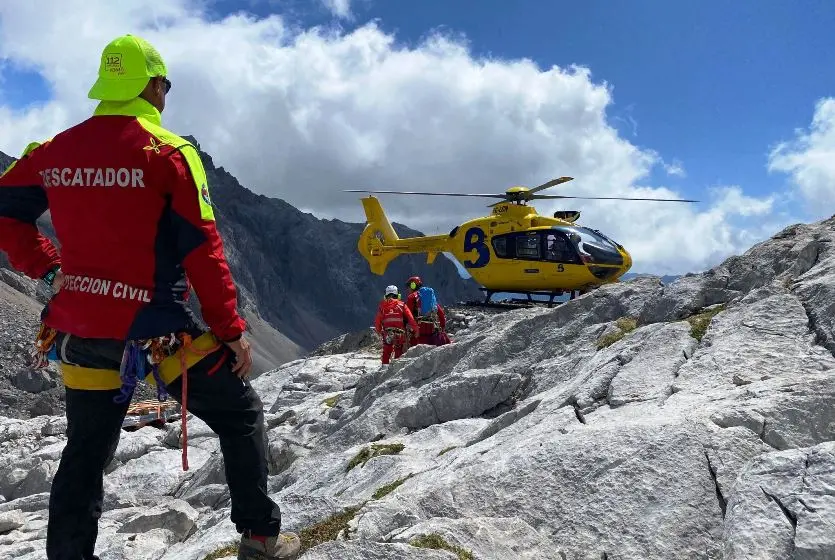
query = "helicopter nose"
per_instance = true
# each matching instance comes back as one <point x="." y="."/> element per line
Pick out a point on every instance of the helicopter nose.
<point x="627" y="260"/>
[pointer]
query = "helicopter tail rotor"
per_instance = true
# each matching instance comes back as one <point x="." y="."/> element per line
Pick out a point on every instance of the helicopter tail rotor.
<point x="377" y="218"/>
<point x="377" y="238"/>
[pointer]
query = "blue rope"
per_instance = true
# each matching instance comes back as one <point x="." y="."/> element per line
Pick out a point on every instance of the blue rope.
<point x="162" y="394"/>
<point x="134" y="367"/>
<point x="127" y="374"/>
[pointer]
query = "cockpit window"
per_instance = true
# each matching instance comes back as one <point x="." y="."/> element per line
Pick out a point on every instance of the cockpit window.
<point x="558" y="249"/>
<point x="594" y="246"/>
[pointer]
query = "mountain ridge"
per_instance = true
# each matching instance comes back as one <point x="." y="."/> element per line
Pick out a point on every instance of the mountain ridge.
<point x="318" y="255"/>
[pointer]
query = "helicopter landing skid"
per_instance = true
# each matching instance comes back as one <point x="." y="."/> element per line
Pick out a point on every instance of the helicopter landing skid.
<point x="529" y="301"/>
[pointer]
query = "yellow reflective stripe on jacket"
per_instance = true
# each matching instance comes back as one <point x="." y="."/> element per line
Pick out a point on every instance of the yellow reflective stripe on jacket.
<point x="30" y="148"/>
<point x="150" y="119"/>
<point x="26" y="151"/>
<point x="91" y="379"/>
<point x="195" y="165"/>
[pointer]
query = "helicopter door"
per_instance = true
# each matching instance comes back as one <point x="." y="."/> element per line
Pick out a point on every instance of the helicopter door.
<point x="558" y="249"/>
<point x="528" y="246"/>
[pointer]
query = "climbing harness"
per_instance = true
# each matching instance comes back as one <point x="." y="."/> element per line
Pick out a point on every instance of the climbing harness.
<point x="133" y="368"/>
<point x="430" y="318"/>
<point x="44" y="347"/>
<point x="137" y="358"/>
<point x="392" y="333"/>
<point x="154" y="351"/>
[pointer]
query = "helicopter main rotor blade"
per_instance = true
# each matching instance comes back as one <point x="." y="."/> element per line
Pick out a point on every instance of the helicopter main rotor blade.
<point x="482" y="195"/>
<point x="557" y="197"/>
<point x="551" y="183"/>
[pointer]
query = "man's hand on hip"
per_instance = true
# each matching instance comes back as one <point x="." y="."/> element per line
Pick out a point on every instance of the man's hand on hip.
<point x="243" y="357"/>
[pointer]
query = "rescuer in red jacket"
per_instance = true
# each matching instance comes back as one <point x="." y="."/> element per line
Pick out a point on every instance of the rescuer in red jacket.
<point x="392" y="323"/>
<point x="432" y="326"/>
<point x="132" y="214"/>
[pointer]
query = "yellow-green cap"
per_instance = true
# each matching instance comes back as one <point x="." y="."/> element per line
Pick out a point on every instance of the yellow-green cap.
<point x="127" y="63"/>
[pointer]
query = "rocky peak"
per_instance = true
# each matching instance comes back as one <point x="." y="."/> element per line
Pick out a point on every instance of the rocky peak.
<point x="5" y="162"/>
<point x="694" y="419"/>
<point x="305" y="275"/>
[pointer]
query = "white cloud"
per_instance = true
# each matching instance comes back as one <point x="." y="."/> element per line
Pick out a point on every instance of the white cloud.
<point x="339" y="8"/>
<point x="809" y="159"/>
<point x="304" y="114"/>
<point x="675" y="169"/>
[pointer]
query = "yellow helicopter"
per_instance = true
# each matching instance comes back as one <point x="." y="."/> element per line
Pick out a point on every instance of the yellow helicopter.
<point x="513" y="250"/>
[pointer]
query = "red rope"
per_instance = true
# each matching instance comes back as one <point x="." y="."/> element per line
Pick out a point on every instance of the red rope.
<point x="184" y="372"/>
<point x="186" y="339"/>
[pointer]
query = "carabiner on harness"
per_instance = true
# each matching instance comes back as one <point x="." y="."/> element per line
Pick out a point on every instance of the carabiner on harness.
<point x="44" y="348"/>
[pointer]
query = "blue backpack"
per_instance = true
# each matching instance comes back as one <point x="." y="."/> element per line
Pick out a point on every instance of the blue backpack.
<point x="428" y="302"/>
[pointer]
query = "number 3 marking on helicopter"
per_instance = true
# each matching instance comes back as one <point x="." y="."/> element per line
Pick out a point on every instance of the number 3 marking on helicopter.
<point x="474" y="241"/>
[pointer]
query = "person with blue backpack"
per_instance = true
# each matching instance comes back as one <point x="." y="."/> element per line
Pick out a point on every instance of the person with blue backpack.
<point x="428" y="313"/>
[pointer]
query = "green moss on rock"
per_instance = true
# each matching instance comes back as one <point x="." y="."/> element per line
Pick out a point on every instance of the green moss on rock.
<point x="389" y="488"/>
<point x="231" y="550"/>
<point x="700" y="322"/>
<point x="375" y="450"/>
<point x="328" y="529"/>
<point x="625" y="325"/>
<point x="437" y="542"/>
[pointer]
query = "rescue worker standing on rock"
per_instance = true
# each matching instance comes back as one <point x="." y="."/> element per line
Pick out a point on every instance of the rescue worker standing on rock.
<point x="131" y="209"/>
<point x="428" y="313"/>
<point x="393" y="323"/>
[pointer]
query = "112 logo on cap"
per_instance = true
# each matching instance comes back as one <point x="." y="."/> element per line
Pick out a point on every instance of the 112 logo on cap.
<point x="113" y="63"/>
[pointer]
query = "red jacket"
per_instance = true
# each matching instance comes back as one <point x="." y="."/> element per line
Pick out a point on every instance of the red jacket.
<point x="394" y="313"/>
<point x="425" y="328"/>
<point x="131" y="209"/>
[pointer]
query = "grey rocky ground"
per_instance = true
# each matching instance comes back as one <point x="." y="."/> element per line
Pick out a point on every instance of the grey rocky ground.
<point x="24" y="392"/>
<point x="694" y="420"/>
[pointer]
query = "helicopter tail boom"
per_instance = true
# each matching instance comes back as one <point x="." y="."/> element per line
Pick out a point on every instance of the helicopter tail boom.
<point x="379" y="244"/>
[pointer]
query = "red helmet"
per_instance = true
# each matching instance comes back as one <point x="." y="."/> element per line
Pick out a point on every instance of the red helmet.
<point x="414" y="282"/>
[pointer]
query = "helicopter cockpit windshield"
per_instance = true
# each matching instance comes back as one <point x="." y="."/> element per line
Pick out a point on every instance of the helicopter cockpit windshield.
<point x="594" y="247"/>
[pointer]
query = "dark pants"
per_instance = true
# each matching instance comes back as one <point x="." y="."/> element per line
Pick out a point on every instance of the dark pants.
<point x="227" y="404"/>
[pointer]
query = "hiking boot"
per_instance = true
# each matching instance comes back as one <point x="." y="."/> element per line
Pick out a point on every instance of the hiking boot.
<point x="284" y="547"/>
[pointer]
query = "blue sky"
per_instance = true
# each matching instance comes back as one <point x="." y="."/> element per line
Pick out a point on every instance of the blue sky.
<point x="712" y="85"/>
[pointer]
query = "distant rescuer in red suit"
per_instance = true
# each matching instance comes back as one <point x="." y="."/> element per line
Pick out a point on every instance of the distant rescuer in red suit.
<point x="391" y="323"/>
<point x="431" y="323"/>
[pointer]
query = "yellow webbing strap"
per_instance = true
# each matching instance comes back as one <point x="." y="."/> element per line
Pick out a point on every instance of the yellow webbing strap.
<point x="91" y="379"/>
